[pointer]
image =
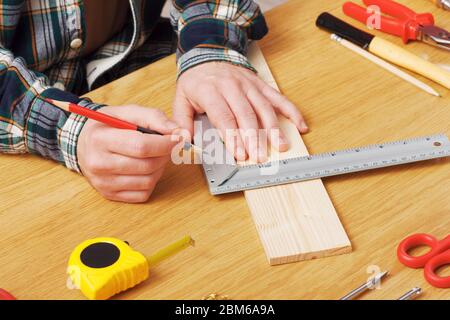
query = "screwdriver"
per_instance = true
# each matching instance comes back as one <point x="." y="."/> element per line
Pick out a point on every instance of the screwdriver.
<point x="444" y="4"/>
<point x="369" y="285"/>
<point x="411" y="294"/>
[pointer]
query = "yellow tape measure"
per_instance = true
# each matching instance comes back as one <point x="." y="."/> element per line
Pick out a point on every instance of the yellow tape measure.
<point x="103" y="267"/>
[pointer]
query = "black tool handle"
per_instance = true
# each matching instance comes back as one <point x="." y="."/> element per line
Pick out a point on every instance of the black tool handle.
<point x="344" y="30"/>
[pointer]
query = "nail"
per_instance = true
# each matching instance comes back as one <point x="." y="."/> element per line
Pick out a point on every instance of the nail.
<point x="283" y="140"/>
<point x="240" y="153"/>
<point x="262" y="155"/>
<point x="284" y="145"/>
<point x="304" y="127"/>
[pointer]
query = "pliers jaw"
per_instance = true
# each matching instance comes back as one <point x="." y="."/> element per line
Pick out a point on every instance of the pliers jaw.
<point x="435" y="36"/>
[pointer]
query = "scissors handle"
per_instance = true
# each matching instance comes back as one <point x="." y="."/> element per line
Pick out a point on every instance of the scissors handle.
<point x="5" y="295"/>
<point x="416" y="240"/>
<point x="435" y="263"/>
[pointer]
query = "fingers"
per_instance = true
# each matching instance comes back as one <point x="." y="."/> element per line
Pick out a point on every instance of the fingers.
<point x="149" y="118"/>
<point x="286" y="107"/>
<point x="137" y="145"/>
<point x="268" y="119"/>
<point x="123" y="165"/>
<point x="183" y="114"/>
<point x="221" y="116"/>
<point x="247" y="120"/>
<point x="129" y="196"/>
<point x="131" y="189"/>
<point x="117" y="183"/>
<point x="280" y="102"/>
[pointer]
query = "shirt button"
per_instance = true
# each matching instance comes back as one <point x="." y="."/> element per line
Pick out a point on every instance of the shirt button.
<point x="76" y="43"/>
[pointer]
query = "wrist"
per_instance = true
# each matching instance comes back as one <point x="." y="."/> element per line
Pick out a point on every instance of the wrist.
<point x="198" y="56"/>
<point x="68" y="139"/>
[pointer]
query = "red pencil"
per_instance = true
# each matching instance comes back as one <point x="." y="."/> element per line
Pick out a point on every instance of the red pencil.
<point x="109" y="120"/>
<point x="98" y="116"/>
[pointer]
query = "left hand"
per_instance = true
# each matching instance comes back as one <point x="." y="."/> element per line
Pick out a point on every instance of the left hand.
<point x="236" y="101"/>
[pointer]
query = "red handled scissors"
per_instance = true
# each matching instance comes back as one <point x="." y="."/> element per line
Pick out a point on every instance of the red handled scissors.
<point x="438" y="256"/>
<point x="403" y="22"/>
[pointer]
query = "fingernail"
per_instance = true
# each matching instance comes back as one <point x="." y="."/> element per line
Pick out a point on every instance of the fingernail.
<point x="304" y="127"/>
<point x="240" y="153"/>
<point x="284" y="145"/>
<point x="262" y="155"/>
<point x="283" y="140"/>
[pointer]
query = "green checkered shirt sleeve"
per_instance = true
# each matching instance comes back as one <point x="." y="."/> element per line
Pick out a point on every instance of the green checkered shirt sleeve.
<point x="216" y="31"/>
<point x="28" y="123"/>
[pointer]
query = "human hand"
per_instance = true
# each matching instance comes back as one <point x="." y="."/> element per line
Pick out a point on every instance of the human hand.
<point x="125" y="165"/>
<point x="238" y="103"/>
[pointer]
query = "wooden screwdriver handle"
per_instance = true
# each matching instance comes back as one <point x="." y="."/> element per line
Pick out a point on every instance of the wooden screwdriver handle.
<point x="410" y="61"/>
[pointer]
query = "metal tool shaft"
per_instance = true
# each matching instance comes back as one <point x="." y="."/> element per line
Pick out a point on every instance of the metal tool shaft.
<point x="411" y="294"/>
<point x="356" y="292"/>
<point x="444" y="4"/>
<point x="369" y="285"/>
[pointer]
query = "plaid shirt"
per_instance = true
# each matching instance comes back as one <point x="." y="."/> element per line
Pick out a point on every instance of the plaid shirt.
<point x="41" y="43"/>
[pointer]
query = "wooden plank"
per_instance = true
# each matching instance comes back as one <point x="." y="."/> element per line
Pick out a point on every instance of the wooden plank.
<point x="296" y="221"/>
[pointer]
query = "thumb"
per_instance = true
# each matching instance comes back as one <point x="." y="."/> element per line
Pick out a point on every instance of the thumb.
<point x="149" y="118"/>
<point x="183" y="114"/>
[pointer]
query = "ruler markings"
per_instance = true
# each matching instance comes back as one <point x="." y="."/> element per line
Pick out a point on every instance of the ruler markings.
<point x="326" y="164"/>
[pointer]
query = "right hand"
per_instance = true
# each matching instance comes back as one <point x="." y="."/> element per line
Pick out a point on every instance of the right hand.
<point x="125" y="165"/>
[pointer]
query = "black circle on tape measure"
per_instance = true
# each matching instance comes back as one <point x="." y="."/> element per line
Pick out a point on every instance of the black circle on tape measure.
<point x="100" y="255"/>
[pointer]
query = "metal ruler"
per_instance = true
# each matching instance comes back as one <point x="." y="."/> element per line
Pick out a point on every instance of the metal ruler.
<point x="227" y="176"/>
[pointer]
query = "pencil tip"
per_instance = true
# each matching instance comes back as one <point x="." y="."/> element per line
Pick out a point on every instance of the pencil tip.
<point x="193" y="147"/>
<point x="436" y="94"/>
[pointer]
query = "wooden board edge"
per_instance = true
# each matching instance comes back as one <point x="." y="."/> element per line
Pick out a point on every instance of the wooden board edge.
<point x="276" y="261"/>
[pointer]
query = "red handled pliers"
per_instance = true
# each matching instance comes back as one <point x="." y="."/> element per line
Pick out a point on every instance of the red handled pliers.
<point x="403" y="22"/>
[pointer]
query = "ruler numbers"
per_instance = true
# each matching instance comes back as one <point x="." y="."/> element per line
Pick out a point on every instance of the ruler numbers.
<point x="335" y="163"/>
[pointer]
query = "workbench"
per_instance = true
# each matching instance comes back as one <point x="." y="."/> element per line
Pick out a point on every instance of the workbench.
<point x="46" y="210"/>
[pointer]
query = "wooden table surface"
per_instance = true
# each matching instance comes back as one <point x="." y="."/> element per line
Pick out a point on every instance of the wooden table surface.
<point x="46" y="210"/>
